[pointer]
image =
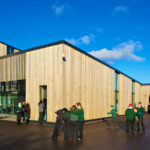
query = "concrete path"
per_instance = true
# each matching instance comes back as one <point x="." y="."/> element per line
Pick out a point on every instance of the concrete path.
<point x="8" y="117"/>
<point x="96" y="137"/>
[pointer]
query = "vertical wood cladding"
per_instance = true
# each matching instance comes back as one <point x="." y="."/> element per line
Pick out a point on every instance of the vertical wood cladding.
<point x="79" y="79"/>
<point x="125" y="93"/>
<point x="3" y="49"/>
<point x="13" y="68"/>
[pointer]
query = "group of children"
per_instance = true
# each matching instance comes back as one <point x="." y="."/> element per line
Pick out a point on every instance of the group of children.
<point x="23" y="112"/>
<point x="134" y="118"/>
<point x="72" y="121"/>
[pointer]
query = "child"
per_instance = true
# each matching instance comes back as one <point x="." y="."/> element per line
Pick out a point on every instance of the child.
<point x="136" y="120"/>
<point x="19" y="113"/>
<point x="141" y="111"/>
<point x="80" y="120"/>
<point x="58" y="124"/>
<point x="130" y="116"/>
<point x="74" y="123"/>
<point x="114" y="116"/>
<point x="66" y="119"/>
<point x="26" y="113"/>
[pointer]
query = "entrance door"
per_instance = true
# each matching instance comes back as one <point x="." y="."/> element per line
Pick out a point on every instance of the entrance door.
<point x="43" y="97"/>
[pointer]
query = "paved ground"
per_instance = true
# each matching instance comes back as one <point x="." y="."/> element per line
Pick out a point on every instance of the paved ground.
<point x="96" y="137"/>
<point x="8" y="117"/>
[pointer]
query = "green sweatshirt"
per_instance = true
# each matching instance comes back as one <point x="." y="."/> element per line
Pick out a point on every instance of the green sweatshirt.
<point x="113" y="113"/>
<point x="80" y="114"/>
<point x="140" y="112"/>
<point x="73" y="115"/>
<point x="19" y="109"/>
<point x="130" y="114"/>
<point x="67" y="115"/>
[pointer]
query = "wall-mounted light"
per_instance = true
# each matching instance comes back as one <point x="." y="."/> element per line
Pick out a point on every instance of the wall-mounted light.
<point x="63" y="57"/>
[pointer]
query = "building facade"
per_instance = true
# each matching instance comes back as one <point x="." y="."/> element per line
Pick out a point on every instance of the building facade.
<point x="61" y="74"/>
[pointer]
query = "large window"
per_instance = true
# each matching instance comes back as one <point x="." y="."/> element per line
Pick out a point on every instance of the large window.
<point x="10" y="94"/>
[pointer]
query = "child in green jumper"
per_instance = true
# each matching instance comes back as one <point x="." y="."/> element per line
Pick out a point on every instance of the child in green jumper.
<point x="73" y="123"/>
<point x="130" y="118"/>
<point x="19" y="113"/>
<point x="113" y="117"/>
<point x="80" y="120"/>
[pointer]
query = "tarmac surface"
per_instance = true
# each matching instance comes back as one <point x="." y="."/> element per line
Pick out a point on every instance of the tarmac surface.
<point x="96" y="137"/>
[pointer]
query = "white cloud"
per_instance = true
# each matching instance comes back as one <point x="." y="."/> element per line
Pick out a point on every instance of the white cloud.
<point x="123" y="51"/>
<point x="87" y="39"/>
<point x="58" y="9"/>
<point x="120" y="9"/>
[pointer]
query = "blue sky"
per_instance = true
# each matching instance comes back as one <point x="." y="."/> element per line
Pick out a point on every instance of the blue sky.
<point x="116" y="31"/>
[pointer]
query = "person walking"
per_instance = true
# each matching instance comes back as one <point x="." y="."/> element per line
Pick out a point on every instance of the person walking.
<point x="113" y="114"/>
<point x="74" y="123"/>
<point x="80" y="112"/>
<point x="41" y="110"/>
<point x="130" y="118"/>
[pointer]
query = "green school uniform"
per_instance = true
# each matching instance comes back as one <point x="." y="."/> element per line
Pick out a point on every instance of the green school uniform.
<point x="73" y="115"/>
<point x="80" y="114"/>
<point x="130" y="114"/>
<point x="113" y="113"/>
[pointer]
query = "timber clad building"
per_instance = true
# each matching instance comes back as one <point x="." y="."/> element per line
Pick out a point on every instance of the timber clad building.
<point x="62" y="75"/>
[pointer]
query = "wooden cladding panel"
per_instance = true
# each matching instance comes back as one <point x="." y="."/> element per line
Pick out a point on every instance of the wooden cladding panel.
<point x="137" y="92"/>
<point x="145" y="93"/>
<point x="142" y="94"/>
<point x="79" y="79"/>
<point x="125" y="93"/>
<point x="3" y="50"/>
<point x="12" y="68"/>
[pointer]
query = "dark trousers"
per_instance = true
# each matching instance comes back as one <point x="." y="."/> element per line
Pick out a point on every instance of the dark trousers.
<point x="138" y="125"/>
<point x="142" y="124"/>
<point x="66" y="129"/>
<point x="113" y="122"/>
<point x="129" y="125"/>
<point x="80" y="129"/>
<point x="40" y="117"/>
<point x="19" y="115"/>
<point x="56" y="129"/>
<point x="74" y="130"/>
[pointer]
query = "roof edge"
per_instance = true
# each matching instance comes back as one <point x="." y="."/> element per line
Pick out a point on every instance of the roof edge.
<point x="10" y="45"/>
<point x="74" y="47"/>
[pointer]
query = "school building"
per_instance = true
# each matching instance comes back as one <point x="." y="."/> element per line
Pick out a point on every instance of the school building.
<point x="61" y="75"/>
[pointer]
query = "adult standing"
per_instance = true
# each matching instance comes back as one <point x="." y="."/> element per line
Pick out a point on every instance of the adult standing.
<point x="141" y="110"/>
<point x="41" y="110"/>
<point x="80" y="120"/>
